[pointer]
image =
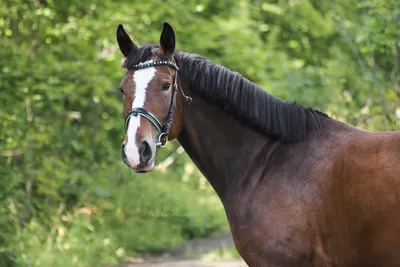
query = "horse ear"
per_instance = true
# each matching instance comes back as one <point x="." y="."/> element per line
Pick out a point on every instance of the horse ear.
<point x="126" y="45"/>
<point x="167" y="40"/>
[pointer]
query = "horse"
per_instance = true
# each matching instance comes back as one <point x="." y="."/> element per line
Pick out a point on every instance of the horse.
<point x="298" y="187"/>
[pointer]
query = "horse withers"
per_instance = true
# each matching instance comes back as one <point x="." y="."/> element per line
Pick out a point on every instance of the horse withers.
<point x="299" y="188"/>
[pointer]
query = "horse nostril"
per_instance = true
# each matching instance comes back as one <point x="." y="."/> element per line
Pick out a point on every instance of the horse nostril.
<point x="145" y="152"/>
<point x="124" y="158"/>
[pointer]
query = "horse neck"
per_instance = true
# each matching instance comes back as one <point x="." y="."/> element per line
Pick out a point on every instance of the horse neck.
<point x="220" y="146"/>
<point x="225" y="150"/>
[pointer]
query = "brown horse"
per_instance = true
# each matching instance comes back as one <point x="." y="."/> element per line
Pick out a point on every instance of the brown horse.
<point x="299" y="188"/>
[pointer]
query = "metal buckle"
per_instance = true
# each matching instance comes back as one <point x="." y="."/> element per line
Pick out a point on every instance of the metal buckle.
<point x="162" y="140"/>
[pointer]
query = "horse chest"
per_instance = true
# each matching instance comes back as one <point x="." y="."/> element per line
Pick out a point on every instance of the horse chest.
<point x="276" y="233"/>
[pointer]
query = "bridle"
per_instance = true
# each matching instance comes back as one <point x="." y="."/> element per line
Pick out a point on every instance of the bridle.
<point x="163" y="129"/>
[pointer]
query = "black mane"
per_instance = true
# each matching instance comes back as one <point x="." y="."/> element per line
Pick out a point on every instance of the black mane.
<point x="239" y="97"/>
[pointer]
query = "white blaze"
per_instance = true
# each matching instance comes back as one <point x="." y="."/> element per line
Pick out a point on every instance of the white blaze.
<point x="141" y="78"/>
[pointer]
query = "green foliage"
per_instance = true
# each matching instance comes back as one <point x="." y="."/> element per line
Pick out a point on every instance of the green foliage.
<point x="65" y="197"/>
<point x="118" y="218"/>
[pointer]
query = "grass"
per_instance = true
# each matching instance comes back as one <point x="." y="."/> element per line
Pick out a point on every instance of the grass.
<point x="219" y="254"/>
<point x="223" y="253"/>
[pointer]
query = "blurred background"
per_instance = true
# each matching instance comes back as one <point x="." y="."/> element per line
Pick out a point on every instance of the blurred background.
<point x="66" y="199"/>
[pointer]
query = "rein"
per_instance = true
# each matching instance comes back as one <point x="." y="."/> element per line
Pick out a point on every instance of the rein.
<point x="163" y="129"/>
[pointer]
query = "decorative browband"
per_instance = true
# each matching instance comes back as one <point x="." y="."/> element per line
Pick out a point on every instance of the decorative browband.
<point x="153" y="64"/>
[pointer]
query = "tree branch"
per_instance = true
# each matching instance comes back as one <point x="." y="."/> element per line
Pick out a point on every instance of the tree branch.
<point x="169" y="160"/>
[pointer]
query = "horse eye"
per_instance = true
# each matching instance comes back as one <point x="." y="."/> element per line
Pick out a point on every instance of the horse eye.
<point x="166" y="86"/>
<point x="122" y="90"/>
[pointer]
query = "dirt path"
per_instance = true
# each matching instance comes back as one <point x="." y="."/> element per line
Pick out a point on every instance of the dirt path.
<point x="191" y="263"/>
<point x="178" y="257"/>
